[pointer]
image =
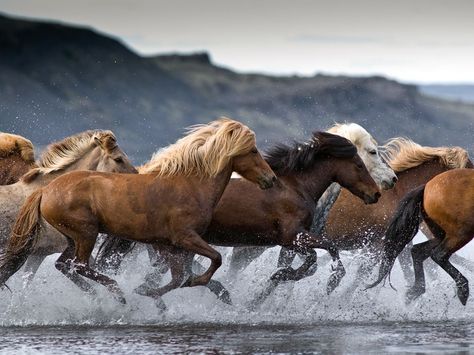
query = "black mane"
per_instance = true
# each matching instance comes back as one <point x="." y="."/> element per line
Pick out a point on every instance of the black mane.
<point x="284" y="159"/>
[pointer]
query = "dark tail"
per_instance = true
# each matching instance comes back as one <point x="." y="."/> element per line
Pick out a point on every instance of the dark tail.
<point x="23" y="237"/>
<point x="402" y="229"/>
<point x="111" y="253"/>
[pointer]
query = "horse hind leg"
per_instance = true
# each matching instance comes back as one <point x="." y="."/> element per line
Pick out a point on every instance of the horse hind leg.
<point x="84" y="247"/>
<point x="441" y="255"/>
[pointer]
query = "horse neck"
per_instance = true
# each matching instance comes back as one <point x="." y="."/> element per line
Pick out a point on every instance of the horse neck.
<point x="315" y="180"/>
<point x="419" y="175"/>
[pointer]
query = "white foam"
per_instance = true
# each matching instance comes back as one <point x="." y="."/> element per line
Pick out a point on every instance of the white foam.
<point x="53" y="300"/>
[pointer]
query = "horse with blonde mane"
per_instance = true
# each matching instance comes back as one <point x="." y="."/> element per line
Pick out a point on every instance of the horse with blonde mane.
<point x="352" y="225"/>
<point x="445" y="203"/>
<point x="169" y="208"/>
<point x="382" y="174"/>
<point x="89" y="150"/>
<point x="16" y="157"/>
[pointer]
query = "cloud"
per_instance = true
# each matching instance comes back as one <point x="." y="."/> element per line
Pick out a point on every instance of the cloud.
<point x="340" y="39"/>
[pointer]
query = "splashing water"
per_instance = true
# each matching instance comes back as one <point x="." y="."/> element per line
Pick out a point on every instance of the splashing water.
<point x="51" y="299"/>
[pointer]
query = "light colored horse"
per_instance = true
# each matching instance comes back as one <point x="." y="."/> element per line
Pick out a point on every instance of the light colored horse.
<point x="382" y="174"/>
<point x="16" y="157"/>
<point x="89" y="150"/>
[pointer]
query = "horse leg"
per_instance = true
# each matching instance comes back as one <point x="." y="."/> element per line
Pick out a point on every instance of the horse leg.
<point x="193" y="243"/>
<point x="441" y="255"/>
<point x="65" y="265"/>
<point x="462" y="261"/>
<point x="420" y="252"/>
<point x="242" y="256"/>
<point x="84" y="247"/>
<point x="32" y="265"/>
<point x="286" y="257"/>
<point x="404" y="258"/>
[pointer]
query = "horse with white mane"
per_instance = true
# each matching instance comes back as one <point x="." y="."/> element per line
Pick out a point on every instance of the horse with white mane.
<point x="382" y="174"/>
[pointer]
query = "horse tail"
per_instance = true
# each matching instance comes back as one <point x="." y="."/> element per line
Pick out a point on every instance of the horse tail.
<point x="401" y="230"/>
<point x="23" y="237"/>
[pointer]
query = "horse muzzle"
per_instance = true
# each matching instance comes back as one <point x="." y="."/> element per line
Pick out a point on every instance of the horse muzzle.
<point x="369" y="199"/>
<point x="267" y="182"/>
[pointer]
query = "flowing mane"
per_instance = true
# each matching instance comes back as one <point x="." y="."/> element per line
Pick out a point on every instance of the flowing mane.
<point x="402" y="154"/>
<point x="357" y="134"/>
<point x="12" y="143"/>
<point x="284" y="159"/>
<point x="60" y="155"/>
<point x="204" y="151"/>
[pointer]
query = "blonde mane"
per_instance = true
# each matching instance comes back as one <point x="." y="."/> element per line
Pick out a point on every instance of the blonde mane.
<point x="353" y="132"/>
<point x="204" y="151"/>
<point x="12" y="143"/>
<point x="60" y="155"/>
<point x="402" y="154"/>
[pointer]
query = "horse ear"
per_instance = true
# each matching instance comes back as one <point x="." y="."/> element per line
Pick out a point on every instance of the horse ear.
<point x="106" y="142"/>
<point x="98" y="142"/>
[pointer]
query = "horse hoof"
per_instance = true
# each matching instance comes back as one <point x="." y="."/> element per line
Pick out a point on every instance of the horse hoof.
<point x="463" y="293"/>
<point x="160" y="305"/>
<point x="120" y="299"/>
<point x="334" y="281"/>
<point x="224" y="296"/>
<point x="413" y="294"/>
<point x="143" y="290"/>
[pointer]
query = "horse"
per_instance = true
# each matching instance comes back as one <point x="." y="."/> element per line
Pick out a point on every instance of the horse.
<point x="246" y="216"/>
<point x="16" y="157"/>
<point x="445" y="203"/>
<point x="352" y="225"/>
<point x="169" y="208"/>
<point x="89" y="150"/>
<point x="382" y="174"/>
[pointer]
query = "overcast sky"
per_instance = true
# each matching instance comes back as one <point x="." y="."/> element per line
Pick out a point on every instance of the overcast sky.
<point x="410" y="40"/>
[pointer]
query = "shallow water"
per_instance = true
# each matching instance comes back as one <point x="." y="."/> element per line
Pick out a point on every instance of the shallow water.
<point x="51" y="315"/>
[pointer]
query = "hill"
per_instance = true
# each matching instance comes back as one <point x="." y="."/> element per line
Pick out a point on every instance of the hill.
<point x="56" y="80"/>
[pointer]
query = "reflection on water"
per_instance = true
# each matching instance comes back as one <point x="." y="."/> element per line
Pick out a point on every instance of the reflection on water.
<point x="336" y="338"/>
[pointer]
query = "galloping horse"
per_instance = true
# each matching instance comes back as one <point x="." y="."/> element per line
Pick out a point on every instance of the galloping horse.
<point x="352" y="225"/>
<point x="89" y="150"/>
<point x="170" y="208"/>
<point x="446" y="204"/>
<point x="247" y="216"/>
<point x="382" y="174"/>
<point x="16" y="157"/>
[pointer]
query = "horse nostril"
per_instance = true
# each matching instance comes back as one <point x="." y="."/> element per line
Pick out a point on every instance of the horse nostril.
<point x="377" y="195"/>
<point x="395" y="179"/>
<point x="274" y="178"/>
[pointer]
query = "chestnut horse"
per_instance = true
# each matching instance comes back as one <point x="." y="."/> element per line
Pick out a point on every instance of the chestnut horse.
<point x="16" y="157"/>
<point x="171" y="207"/>
<point x="352" y="225"/>
<point x="446" y="204"/>
<point x="246" y="216"/>
<point x="382" y="174"/>
<point x="89" y="150"/>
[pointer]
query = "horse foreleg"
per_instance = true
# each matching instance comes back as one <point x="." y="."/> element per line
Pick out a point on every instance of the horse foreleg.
<point x="32" y="265"/>
<point x="242" y="256"/>
<point x="404" y="258"/>
<point x="193" y="243"/>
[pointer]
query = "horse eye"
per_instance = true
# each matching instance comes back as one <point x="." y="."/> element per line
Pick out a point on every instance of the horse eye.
<point x="254" y="151"/>
<point x="119" y="160"/>
<point x="373" y="152"/>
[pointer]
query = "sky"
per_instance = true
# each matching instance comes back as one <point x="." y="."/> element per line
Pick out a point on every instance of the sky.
<point x="416" y="41"/>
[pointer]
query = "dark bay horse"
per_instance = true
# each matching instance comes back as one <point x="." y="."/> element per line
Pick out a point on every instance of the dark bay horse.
<point x="446" y="204"/>
<point x="247" y="216"/>
<point x="16" y="157"/>
<point x="352" y="225"/>
<point x="170" y="208"/>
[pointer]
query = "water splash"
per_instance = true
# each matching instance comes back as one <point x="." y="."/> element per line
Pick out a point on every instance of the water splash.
<point x="51" y="299"/>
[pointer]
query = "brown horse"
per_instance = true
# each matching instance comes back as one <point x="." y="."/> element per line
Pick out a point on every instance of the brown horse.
<point x="90" y="150"/>
<point x="446" y="204"/>
<point x="16" y="157"/>
<point x="171" y="207"/>
<point x="352" y="225"/>
<point x="246" y="216"/>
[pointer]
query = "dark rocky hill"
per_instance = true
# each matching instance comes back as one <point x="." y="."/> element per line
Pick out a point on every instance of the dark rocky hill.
<point x="56" y="80"/>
